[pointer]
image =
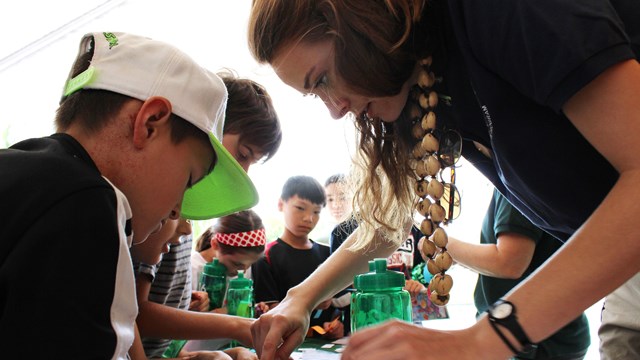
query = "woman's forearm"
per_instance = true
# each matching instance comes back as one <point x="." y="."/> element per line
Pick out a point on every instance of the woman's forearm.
<point x="599" y="258"/>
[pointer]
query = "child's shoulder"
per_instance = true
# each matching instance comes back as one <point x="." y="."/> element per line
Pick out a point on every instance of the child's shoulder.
<point x="320" y="248"/>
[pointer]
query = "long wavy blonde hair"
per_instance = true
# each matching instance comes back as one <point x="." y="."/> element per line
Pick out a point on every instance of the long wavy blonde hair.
<point x="369" y="37"/>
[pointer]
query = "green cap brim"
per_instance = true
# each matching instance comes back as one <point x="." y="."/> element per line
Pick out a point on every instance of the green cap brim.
<point x="226" y="190"/>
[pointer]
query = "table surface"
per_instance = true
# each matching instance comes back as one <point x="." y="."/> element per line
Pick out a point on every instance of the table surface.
<point x="319" y="349"/>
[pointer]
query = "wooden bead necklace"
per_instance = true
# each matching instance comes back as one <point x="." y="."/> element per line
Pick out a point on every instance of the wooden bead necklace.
<point x="429" y="161"/>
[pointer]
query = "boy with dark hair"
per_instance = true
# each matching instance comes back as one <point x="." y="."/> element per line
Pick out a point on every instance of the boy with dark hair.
<point x="252" y="133"/>
<point x="293" y="256"/>
<point x="139" y="124"/>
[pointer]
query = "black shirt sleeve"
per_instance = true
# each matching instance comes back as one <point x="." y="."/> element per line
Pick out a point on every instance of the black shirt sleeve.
<point x="58" y="282"/>
<point x="546" y="49"/>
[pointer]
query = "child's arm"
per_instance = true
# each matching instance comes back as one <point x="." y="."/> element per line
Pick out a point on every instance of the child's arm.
<point x="161" y="321"/>
<point x="136" y="351"/>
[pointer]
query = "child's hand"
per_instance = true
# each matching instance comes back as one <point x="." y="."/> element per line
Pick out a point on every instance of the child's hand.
<point x="333" y="330"/>
<point x="199" y="301"/>
<point x="222" y="310"/>
<point x="208" y="355"/>
<point x="262" y="308"/>
<point x="414" y="287"/>
<point x="240" y="353"/>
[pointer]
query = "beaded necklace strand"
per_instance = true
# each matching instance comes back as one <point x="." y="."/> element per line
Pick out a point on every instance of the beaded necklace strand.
<point x="427" y="165"/>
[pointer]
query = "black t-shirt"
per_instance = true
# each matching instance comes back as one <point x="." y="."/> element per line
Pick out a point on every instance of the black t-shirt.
<point x="509" y="66"/>
<point x="66" y="281"/>
<point x="409" y="248"/>
<point x="283" y="267"/>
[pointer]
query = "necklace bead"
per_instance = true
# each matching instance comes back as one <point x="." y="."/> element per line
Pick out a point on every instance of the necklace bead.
<point x="427" y="165"/>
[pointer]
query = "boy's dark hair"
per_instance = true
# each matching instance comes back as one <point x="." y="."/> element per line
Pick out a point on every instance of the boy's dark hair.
<point x="242" y="221"/>
<point x="93" y="109"/>
<point x="250" y="114"/>
<point x="306" y="188"/>
<point x="336" y="178"/>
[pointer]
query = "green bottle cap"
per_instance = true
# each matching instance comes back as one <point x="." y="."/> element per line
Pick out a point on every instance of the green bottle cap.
<point x="379" y="278"/>
<point x="215" y="268"/>
<point x="240" y="282"/>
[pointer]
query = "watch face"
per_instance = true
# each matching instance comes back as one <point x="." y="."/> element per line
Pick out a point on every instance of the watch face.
<point x="502" y="310"/>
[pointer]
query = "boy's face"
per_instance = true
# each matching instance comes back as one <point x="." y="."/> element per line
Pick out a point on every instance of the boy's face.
<point x="150" y="251"/>
<point x="245" y="154"/>
<point x="162" y="173"/>
<point x="337" y="203"/>
<point x="300" y="215"/>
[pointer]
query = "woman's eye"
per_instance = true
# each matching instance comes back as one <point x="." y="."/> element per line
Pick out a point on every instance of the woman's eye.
<point x="319" y="84"/>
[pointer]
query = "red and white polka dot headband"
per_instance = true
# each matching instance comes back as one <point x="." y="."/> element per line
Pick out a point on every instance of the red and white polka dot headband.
<point x="243" y="239"/>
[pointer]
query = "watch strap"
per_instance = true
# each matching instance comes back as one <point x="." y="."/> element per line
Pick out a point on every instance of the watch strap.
<point x="511" y="323"/>
<point x="504" y="338"/>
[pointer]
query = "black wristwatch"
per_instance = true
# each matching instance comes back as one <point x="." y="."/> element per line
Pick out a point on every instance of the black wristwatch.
<point x="503" y="313"/>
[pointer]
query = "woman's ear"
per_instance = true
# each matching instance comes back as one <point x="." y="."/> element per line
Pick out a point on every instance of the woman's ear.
<point x="152" y="117"/>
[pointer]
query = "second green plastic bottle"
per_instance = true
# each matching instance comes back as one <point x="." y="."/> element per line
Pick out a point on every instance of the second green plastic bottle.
<point x="240" y="296"/>
<point x="379" y="296"/>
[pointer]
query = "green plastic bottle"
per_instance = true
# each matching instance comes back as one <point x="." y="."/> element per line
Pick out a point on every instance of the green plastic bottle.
<point x="214" y="281"/>
<point x="379" y="296"/>
<point x="240" y="296"/>
<point x="174" y="349"/>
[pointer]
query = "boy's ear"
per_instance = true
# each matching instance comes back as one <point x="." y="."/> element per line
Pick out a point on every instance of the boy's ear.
<point x="153" y="115"/>
<point x="280" y="204"/>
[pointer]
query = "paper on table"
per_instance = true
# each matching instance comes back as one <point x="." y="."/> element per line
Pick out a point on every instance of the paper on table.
<point x="314" y="354"/>
<point x="342" y="341"/>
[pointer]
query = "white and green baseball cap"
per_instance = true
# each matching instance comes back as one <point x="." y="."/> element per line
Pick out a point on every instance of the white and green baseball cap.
<point x="140" y="67"/>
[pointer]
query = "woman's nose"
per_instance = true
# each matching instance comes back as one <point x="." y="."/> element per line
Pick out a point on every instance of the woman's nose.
<point x="338" y="108"/>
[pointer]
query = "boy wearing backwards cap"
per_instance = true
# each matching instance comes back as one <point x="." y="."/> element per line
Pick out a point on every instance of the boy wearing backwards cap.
<point x="138" y="125"/>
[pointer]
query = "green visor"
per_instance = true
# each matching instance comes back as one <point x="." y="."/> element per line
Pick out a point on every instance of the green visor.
<point x="226" y="190"/>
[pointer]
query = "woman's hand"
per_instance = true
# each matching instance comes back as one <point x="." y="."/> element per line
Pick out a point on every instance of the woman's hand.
<point x="399" y="340"/>
<point x="277" y="333"/>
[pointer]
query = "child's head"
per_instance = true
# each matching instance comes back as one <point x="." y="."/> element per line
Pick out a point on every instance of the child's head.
<point x="251" y="129"/>
<point x="151" y="120"/>
<point x="338" y="201"/>
<point x="238" y="240"/>
<point x="150" y="251"/>
<point x="301" y="202"/>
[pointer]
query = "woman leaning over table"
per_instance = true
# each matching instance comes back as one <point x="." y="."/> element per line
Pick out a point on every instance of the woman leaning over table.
<point x="548" y="88"/>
